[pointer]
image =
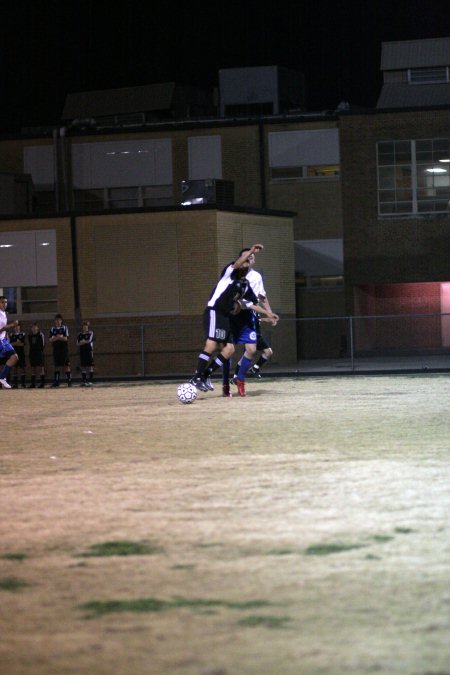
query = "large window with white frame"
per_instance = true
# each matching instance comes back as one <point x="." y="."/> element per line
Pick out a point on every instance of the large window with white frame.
<point x="28" y="272"/>
<point x="413" y="176"/>
<point x="299" y="155"/>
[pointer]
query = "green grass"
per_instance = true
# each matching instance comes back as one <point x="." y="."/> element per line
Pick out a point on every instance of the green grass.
<point x="265" y="621"/>
<point x="121" y="548"/>
<point x="382" y="538"/>
<point x="101" y="607"/>
<point x="14" y="556"/>
<point x="12" y="584"/>
<point x="403" y="530"/>
<point x="281" y="551"/>
<point x="181" y="566"/>
<point x="329" y="549"/>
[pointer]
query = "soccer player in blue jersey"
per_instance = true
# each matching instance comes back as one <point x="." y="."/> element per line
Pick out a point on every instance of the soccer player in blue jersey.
<point x="223" y="302"/>
<point x="246" y="328"/>
<point x="8" y="356"/>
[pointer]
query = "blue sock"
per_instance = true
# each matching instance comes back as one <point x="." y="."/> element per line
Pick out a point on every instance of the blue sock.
<point x="5" y="372"/>
<point x="245" y="365"/>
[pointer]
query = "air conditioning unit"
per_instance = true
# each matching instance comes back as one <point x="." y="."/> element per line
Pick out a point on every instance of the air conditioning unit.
<point x="207" y="191"/>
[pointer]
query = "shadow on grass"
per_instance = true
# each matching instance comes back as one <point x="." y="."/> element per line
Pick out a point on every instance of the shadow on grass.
<point x="97" y="608"/>
<point x="265" y="621"/>
<point x="329" y="549"/>
<point x="121" y="548"/>
<point x="14" y="556"/>
<point x="12" y="584"/>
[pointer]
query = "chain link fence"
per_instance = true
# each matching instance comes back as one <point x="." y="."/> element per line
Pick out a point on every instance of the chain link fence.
<point x="168" y="347"/>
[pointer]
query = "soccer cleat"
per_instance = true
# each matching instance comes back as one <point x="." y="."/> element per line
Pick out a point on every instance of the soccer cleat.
<point x="234" y="379"/>
<point x="240" y="387"/>
<point x="255" y="371"/>
<point x="4" y="383"/>
<point x="208" y="383"/>
<point x="199" y="383"/>
<point x="226" y="393"/>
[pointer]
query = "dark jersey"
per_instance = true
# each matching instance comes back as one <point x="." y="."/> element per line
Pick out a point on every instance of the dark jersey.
<point x="60" y="347"/>
<point x="59" y="330"/>
<point x="86" y="350"/>
<point x="229" y="289"/>
<point x="17" y="339"/>
<point x="36" y="343"/>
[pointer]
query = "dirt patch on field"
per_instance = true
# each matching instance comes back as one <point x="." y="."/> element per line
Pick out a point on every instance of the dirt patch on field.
<point x="303" y="529"/>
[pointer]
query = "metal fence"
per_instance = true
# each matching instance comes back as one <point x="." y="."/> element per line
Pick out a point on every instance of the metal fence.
<point x="168" y="347"/>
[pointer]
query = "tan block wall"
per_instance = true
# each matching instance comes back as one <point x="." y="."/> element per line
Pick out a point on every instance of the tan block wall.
<point x="317" y="202"/>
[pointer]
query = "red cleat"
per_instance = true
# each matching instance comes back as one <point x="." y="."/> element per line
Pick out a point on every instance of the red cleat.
<point x="226" y="391"/>
<point x="240" y="387"/>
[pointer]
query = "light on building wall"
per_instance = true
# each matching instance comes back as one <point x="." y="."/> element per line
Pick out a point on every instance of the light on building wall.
<point x="6" y="245"/>
<point x="445" y="161"/>
<point x="436" y="169"/>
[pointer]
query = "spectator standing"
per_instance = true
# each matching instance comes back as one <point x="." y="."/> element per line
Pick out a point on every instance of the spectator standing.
<point x="85" y="342"/>
<point x="17" y="339"/>
<point x="36" y="342"/>
<point x="59" y="337"/>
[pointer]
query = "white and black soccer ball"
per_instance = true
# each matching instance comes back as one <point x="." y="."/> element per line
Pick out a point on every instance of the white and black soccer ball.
<point x="186" y="393"/>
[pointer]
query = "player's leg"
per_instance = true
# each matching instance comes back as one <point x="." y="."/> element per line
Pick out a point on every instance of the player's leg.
<point x="266" y="354"/>
<point x="226" y="379"/>
<point x="8" y="359"/>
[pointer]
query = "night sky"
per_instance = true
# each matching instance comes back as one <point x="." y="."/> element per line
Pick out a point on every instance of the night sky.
<point x="55" y="47"/>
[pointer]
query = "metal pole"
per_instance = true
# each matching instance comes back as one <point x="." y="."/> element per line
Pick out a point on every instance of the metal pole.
<point x="352" y="355"/>
<point x="142" y="351"/>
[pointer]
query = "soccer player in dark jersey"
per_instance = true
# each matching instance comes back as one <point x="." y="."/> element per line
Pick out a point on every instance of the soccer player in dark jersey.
<point x="17" y="340"/>
<point x="36" y="342"/>
<point x="85" y="342"/>
<point x="223" y="302"/>
<point x="59" y="336"/>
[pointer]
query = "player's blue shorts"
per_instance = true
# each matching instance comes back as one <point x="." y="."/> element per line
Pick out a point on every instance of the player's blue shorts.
<point x="243" y="328"/>
<point x="6" y="350"/>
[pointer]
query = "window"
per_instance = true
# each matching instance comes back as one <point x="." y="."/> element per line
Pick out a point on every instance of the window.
<point x="105" y="175"/>
<point x="299" y="155"/>
<point x="28" y="271"/>
<point x="413" y="176"/>
<point x="428" y="75"/>
<point x="30" y="300"/>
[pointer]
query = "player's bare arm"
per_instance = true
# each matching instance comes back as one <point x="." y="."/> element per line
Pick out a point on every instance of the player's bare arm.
<point x="256" y="248"/>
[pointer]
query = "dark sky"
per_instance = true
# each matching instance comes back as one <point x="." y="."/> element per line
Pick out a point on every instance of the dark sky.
<point x="50" y="48"/>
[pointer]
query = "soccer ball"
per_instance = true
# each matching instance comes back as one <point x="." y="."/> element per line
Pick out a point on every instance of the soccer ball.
<point x="186" y="393"/>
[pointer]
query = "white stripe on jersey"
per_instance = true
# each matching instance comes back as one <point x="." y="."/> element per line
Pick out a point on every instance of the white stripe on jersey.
<point x="223" y="283"/>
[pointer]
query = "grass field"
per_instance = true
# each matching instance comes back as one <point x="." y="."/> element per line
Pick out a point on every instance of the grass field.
<point x="301" y="530"/>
